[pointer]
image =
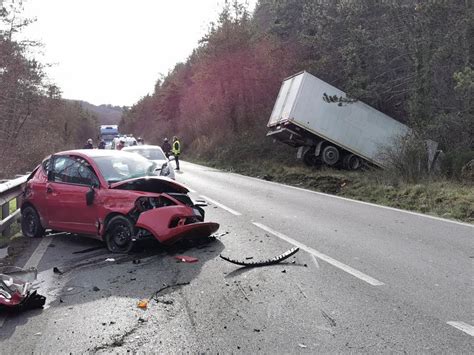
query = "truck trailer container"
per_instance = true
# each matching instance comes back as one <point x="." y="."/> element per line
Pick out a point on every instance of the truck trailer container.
<point x="329" y="127"/>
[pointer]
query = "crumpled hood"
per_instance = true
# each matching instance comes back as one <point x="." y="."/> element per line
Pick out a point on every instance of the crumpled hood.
<point x="156" y="184"/>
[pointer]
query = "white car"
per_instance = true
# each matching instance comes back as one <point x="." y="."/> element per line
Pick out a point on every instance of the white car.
<point x="156" y="155"/>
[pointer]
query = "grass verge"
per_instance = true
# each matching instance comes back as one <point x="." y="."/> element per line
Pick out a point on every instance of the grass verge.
<point x="445" y="199"/>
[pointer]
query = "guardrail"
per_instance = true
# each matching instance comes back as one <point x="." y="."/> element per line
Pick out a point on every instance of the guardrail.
<point x="10" y="190"/>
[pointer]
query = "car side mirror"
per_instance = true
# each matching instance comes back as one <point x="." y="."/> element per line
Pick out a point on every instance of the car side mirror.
<point x="90" y="196"/>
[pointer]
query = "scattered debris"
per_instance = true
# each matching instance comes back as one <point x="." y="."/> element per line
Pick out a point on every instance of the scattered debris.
<point x="301" y="290"/>
<point x="168" y="302"/>
<point x="274" y="260"/>
<point x="332" y="321"/>
<point x="155" y="294"/>
<point x="217" y="236"/>
<point x="57" y="271"/>
<point x="38" y="334"/>
<point x="302" y="346"/>
<point x="242" y="290"/>
<point x="186" y="259"/>
<point x="256" y="330"/>
<point x="249" y="258"/>
<point x="110" y="259"/>
<point x="143" y="304"/>
<point x="283" y="271"/>
<point x="95" y="288"/>
<point x="136" y="261"/>
<point x="141" y="320"/>
<point x="16" y="289"/>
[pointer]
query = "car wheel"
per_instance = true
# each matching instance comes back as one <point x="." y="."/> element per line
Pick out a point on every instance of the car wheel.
<point x="120" y="234"/>
<point x="30" y="223"/>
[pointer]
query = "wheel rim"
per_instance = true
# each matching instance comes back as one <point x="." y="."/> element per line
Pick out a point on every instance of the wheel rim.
<point x="121" y="235"/>
<point x="331" y="155"/>
<point x="354" y="163"/>
<point x="30" y="223"/>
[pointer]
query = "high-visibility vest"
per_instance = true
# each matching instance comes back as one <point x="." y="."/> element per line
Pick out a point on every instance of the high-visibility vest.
<point x="176" y="149"/>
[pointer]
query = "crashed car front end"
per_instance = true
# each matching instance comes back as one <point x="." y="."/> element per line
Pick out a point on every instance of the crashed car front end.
<point x="166" y="212"/>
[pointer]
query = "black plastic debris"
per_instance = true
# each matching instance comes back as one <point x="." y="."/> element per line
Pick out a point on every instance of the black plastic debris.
<point x="57" y="271"/>
<point x="275" y="260"/>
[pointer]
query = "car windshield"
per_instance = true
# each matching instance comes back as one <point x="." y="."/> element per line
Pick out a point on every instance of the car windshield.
<point x="149" y="153"/>
<point x="119" y="168"/>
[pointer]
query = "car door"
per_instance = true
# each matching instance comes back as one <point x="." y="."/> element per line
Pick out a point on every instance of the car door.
<point x="69" y="180"/>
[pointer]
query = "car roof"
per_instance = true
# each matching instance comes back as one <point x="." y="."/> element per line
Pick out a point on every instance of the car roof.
<point x="140" y="147"/>
<point x="93" y="153"/>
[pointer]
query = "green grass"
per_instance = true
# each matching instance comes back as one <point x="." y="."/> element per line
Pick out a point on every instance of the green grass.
<point x="14" y="228"/>
<point x="448" y="199"/>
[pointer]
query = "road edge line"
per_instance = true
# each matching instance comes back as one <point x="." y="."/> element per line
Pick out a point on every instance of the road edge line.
<point x="464" y="327"/>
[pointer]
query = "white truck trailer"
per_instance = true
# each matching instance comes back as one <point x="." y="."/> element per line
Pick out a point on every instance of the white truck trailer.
<point x="328" y="127"/>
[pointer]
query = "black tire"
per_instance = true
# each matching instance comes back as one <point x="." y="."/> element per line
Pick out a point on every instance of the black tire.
<point x="30" y="223"/>
<point x="352" y="162"/>
<point x="120" y="234"/>
<point x="309" y="158"/>
<point x="330" y="155"/>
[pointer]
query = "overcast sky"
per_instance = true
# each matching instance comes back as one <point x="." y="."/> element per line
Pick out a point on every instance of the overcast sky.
<point x="112" y="51"/>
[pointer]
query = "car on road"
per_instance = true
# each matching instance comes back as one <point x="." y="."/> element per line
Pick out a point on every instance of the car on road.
<point x="155" y="154"/>
<point x="110" y="195"/>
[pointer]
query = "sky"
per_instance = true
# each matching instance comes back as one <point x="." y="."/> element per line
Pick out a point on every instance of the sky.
<point x="113" y="51"/>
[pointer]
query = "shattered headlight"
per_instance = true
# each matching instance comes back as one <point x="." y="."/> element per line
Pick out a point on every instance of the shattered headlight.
<point x="148" y="203"/>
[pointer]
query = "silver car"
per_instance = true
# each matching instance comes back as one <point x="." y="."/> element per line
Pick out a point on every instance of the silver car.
<point x="156" y="155"/>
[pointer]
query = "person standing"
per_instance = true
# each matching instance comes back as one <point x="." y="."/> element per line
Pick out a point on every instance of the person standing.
<point x="176" y="150"/>
<point x="89" y="144"/>
<point x="166" y="146"/>
<point x="101" y="144"/>
<point x="121" y="144"/>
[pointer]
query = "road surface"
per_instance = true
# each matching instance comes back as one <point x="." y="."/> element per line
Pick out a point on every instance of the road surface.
<point x="366" y="279"/>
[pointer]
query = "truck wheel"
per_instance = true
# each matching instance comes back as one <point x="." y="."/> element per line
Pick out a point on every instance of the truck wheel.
<point x="30" y="223"/>
<point x="310" y="159"/>
<point x="330" y="155"/>
<point x="351" y="162"/>
<point x="120" y="234"/>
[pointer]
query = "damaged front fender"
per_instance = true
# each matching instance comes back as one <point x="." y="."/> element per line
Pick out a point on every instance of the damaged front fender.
<point x="172" y="223"/>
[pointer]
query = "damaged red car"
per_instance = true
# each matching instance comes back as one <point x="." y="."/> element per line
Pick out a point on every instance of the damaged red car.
<point x="110" y="195"/>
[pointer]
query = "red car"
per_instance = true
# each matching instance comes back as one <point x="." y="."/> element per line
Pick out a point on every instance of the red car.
<point x="109" y="195"/>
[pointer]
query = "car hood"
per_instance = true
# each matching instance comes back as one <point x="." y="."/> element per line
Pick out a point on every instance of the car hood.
<point x="157" y="184"/>
<point x="160" y="162"/>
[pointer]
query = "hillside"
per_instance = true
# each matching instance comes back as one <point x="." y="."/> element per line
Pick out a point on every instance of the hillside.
<point x="106" y="114"/>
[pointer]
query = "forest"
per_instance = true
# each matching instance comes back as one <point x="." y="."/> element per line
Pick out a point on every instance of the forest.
<point x="410" y="59"/>
<point x="34" y="120"/>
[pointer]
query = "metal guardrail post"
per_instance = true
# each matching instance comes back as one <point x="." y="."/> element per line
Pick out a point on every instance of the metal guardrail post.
<point x="5" y="213"/>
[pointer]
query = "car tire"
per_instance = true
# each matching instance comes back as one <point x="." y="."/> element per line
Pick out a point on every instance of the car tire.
<point x="30" y="223"/>
<point x="120" y="234"/>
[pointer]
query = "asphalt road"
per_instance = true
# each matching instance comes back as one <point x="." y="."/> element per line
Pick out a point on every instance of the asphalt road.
<point x="366" y="279"/>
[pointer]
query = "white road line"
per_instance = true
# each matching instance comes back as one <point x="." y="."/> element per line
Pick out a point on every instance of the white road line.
<point x="466" y="328"/>
<point x="35" y="258"/>
<point x="357" y="201"/>
<point x="328" y="259"/>
<point x="33" y="261"/>
<point x="228" y="209"/>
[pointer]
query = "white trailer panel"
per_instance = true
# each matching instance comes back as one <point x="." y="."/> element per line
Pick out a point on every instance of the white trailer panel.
<point x="354" y="126"/>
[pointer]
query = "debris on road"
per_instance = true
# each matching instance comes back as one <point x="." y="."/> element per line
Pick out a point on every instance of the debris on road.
<point x="95" y="288"/>
<point x="155" y="294"/>
<point x="275" y="260"/>
<point x="57" y="271"/>
<point x="302" y="346"/>
<point x="136" y="261"/>
<point x="110" y="259"/>
<point x="16" y="289"/>
<point x="186" y="259"/>
<point x="143" y="304"/>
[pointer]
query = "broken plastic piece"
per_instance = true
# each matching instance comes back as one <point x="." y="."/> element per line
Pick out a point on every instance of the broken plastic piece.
<point x="16" y="289"/>
<point x="186" y="259"/>
<point x="143" y="304"/>
<point x="275" y="260"/>
<point x="110" y="259"/>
